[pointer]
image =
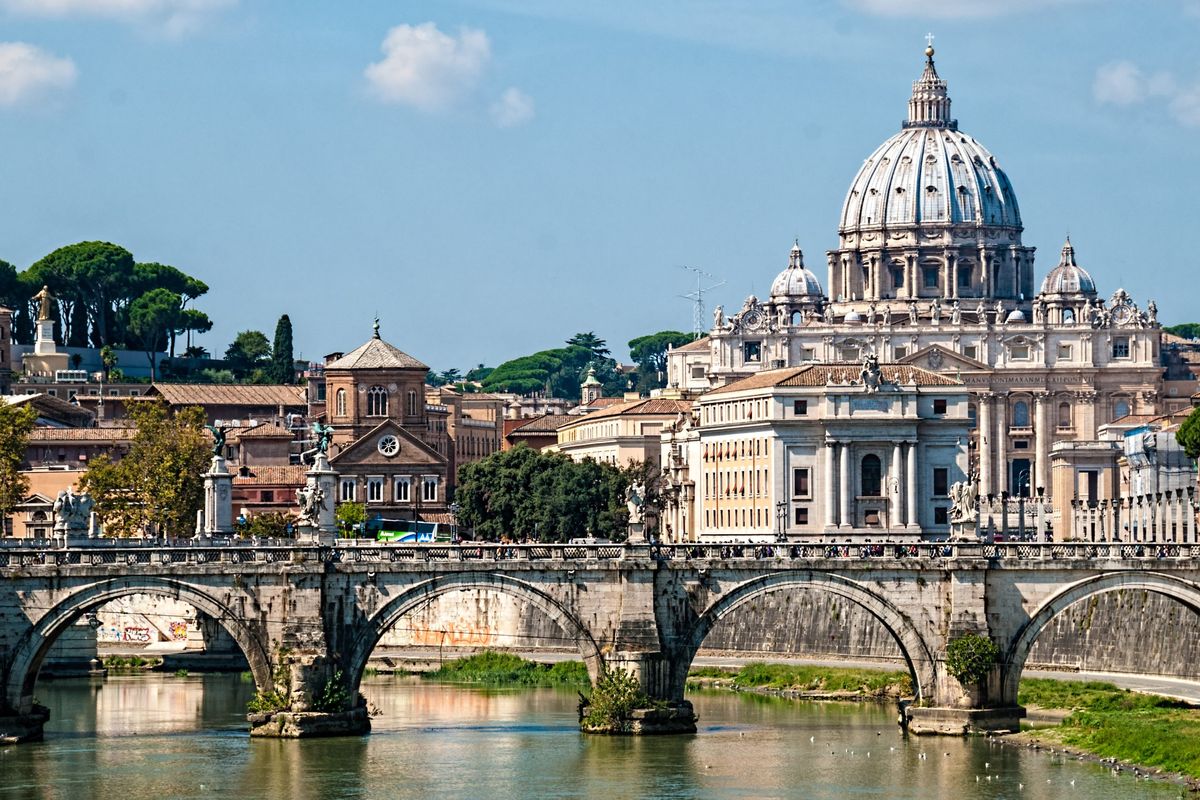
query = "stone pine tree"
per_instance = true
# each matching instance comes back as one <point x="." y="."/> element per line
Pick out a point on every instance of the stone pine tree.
<point x="283" y="368"/>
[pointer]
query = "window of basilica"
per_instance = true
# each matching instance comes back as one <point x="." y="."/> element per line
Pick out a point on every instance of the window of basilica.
<point x="377" y="401"/>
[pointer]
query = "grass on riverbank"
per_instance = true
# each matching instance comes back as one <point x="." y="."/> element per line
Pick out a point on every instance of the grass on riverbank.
<point x="505" y="669"/>
<point x="1148" y="730"/>
<point x="806" y="678"/>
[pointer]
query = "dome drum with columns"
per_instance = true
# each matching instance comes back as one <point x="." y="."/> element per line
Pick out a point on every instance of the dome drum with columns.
<point x="931" y="271"/>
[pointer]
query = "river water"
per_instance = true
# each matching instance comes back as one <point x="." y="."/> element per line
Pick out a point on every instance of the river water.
<point x="161" y="736"/>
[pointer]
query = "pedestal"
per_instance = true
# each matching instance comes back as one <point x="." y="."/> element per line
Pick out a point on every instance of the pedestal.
<point x="218" y="499"/>
<point x="323" y="478"/>
<point x="637" y="533"/>
<point x="961" y="721"/>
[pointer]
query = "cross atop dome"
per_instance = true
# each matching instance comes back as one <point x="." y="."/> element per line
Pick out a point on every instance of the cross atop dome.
<point x="929" y="106"/>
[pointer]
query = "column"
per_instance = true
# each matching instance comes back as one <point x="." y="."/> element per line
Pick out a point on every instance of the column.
<point x="830" y="485"/>
<point x="1002" y="445"/>
<point x="1190" y="511"/>
<point x="844" y="488"/>
<point x="983" y="425"/>
<point x="1041" y="434"/>
<point x="896" y="517"/>
<point x="1155" y="500"/>
<point x="912" y="517"/>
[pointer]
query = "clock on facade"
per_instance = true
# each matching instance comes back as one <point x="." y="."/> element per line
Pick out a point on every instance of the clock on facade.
<point x="388" y="445"/>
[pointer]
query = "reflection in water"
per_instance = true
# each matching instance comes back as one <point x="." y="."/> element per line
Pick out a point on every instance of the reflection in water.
<point x="157" y="736"/>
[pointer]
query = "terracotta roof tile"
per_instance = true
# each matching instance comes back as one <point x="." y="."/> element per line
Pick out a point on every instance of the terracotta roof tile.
<point x="266" y="430"/>
<point x="823" y="374"/>
<point x="547" y="423"/>
<point x="115" y="434"/>
<point x="376" y="354"/>
<point x="651" y="406"/>
<point x="290" y="475"/>
<point x="697" y="346"/>
<point x="183" y="394"/>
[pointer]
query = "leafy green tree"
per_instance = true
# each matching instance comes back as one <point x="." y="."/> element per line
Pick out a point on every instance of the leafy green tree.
<point x="157" y="486"/>
<point x="283" y="362"/>
<point x="591" y="342"/>
<point x="16" y="423"/>
<point x="108" y="360"/>
<point x="479" y="373"/>
<point x="88" y="279"/>
<point x="348" y="515"/>
<point x="1188" y="434"/>
<point x="970" y="657"/>
<point x="650" y="355"/>
<point x="524" y="493"/>
<point x="152" y="317"/>
<point x="1188" y="330"/>
<point x="250" y="351"/>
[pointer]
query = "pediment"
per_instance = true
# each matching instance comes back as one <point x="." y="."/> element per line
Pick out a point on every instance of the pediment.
<point x="365" y="450"/>
<point x="936" y="358"/>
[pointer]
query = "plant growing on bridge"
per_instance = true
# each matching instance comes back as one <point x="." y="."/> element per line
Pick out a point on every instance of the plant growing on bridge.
<point x="969" y="658"/>
<point x="277" y="696"/>
<point x="334" y="696"/>
<point x="616" y="696"/>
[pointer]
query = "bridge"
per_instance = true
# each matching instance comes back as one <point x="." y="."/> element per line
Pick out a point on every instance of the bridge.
<point x="314" y="613"/>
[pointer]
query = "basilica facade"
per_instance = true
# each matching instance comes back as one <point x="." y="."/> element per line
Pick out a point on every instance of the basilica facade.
<point x="930" y="271"/>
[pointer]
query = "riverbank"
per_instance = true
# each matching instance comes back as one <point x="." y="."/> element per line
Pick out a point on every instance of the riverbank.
<point x="1148" y="735"/>
<point x="491" y="668"/>
<point x="805" y="682"/>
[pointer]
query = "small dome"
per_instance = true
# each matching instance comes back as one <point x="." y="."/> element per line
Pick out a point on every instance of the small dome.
<point x="1016" y="315"/>
<point x="1068" y="277"/>
<point x="796" y="282"/>
<point x="852" y="318"/>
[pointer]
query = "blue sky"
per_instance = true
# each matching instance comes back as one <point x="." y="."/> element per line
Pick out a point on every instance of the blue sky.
<point x="491" y="176"/>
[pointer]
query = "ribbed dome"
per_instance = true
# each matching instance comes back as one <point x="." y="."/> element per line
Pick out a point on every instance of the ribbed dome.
<point x="796" y="282"/>
<point x="1068" y="277"/>
<point x="930" y="172"/>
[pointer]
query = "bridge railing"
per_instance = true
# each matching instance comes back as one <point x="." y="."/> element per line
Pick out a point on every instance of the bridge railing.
<point x="17" y="553"/>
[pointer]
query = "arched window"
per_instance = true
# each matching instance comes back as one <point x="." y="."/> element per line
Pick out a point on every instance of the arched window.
<point x="412" y="403"/>
<point x="1120" y="408"/>
<point x="1064" y="415"/>
<point x="339" y="404"/>
<point x="1020" y="417"/>
<point x="872" y="474"/>
<point x="1068" y="316"/>
<point x="377" y="399"/>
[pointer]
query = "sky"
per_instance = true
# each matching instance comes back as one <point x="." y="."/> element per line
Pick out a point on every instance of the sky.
<point x="491" y="176"/>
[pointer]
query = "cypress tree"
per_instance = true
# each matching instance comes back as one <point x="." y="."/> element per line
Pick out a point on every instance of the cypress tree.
<point x="282" y="362"/>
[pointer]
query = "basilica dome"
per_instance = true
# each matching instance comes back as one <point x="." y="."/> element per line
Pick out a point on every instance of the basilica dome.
<point x="796" y="283"/>
<point x="1068" y="277"/>
<point x="930" y="172"/>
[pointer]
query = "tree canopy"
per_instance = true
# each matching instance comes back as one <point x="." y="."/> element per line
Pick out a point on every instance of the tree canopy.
<point x="525" y="493"/>
<point x="283" y="362"/>
<point x="1188" y="330"/>
<point x="157" y="486"/>
<point x="152" y="317"/>
<point x="16" y="422"/>
<point x="650" y="355"/>
<point x="250" y="353"/>
<point x="1188" y="434"/>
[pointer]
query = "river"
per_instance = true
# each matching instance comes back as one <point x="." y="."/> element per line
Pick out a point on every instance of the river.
<point x="162" y="736"/>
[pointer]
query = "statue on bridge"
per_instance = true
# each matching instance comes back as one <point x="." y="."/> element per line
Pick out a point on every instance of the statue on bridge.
<point x="964" y="495"/>
<point x="322" y="434"/>
<point x="635" y="501"/>
<point x="312" y="502"/>
<point x="72" y="513"/>
<point x="218" y="433"/>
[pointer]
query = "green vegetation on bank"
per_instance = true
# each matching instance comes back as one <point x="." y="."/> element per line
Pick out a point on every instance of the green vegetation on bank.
<point x="1144" y="729"/>
<point x="807" y="678"/>
<point x="497" y="669"/>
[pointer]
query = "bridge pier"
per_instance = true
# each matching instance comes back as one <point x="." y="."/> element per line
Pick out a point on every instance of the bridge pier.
<point x="655" y="673"/>
<point x="16" y="728"/>
<point x="315" y="698"/>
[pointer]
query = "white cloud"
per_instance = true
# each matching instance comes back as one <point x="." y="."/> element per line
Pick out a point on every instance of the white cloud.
<point x="427" y="69"/>
<point x="513" y="108"/>
<point x="954" y="9"/>
<point x="174" y="17"/>
<point x="28" y="73"/>
<point x="1124" y="84"/>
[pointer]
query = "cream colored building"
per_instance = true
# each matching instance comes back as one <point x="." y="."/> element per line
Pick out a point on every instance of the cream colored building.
<point x="930" y="270"/>
<point x="621" y="433"/>
<point x="817" y="452"/>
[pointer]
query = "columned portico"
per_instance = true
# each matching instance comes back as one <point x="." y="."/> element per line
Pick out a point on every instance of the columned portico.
<point x="844" y="487"/>
<point x="897" y="481"/>
<point x="830" y="484"/>
<point x="985" y="436"/>
<point x="911" y="481"/>
<point x="1041" y="441"/>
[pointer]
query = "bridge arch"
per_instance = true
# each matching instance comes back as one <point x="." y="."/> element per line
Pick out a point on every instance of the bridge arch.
<point x="1181" y="591"/>
<point x="27" y="656"/>
<point x="920" y="662"/>
<point x="374" y="628"/>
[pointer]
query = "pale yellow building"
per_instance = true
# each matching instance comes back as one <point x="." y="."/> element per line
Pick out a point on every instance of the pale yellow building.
<point x="621" y="433"/>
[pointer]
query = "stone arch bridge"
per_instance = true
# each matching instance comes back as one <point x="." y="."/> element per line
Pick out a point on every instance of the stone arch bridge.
<point x="316" y="612"/>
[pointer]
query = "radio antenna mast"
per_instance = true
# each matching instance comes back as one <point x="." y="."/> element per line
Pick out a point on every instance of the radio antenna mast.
<point x="696" y="296"/>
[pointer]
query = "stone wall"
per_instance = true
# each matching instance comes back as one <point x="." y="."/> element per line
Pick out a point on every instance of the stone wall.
<point x="476" y="619"/>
